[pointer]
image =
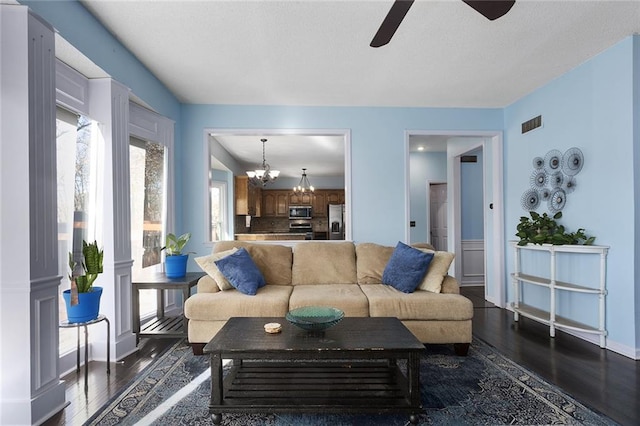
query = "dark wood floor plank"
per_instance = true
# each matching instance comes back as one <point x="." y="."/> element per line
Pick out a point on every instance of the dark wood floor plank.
<point x="602" y="380"/>
<point x="101" y="387"/>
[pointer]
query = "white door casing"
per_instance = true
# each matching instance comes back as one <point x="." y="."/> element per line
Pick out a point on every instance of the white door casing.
<point x="494" y="242"/>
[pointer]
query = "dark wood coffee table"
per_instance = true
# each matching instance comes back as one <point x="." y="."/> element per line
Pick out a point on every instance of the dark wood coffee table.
<point x="349" y="368"/>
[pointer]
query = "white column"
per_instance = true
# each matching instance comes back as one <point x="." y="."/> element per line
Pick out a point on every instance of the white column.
<point x="30" y="387"/>
<point x="109" y="105"/>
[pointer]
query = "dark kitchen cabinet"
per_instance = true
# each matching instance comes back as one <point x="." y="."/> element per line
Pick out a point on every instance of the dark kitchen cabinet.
<point x="275" y="203"/>
<point x="304" y="199"/>
<point x="282" y="204"/>
<point x="248" y="199"/>
<point x="335" y="196"/>
<point x="319" y="205"/>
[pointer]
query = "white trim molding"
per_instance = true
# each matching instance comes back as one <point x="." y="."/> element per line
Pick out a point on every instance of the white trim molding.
<point x="30" y="386"/>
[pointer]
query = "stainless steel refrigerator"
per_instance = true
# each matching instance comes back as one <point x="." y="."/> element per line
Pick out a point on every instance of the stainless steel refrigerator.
<point x="336" y="221"/>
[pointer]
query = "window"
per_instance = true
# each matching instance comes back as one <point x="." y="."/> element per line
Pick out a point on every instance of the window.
<point x="218" y="207"/>
<point x="217" y="216"/>
<point x="148" y="193"/>
<point x="77" y="166"/>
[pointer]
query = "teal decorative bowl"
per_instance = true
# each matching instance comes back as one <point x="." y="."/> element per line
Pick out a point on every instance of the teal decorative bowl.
<point x="314" y="318"/>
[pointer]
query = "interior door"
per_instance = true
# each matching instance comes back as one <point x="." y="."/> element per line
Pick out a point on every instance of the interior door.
<point x="438" y="218"/>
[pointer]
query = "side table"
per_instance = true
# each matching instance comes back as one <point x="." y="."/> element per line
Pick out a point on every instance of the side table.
<point x="161" y="326"/>
<point x="67" y="324"/>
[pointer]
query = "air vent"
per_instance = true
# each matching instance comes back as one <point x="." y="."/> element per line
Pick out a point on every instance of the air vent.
<point x="469" y="159"/>
<point x="529" y="125"/>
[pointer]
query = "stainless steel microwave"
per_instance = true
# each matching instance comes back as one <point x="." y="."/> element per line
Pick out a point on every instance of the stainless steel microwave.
<point x="299" y="212"/>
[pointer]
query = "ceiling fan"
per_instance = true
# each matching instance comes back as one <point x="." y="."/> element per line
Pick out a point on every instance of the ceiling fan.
<point x="490" y="9"/>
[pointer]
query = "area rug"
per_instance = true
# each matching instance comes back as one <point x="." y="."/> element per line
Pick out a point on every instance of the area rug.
<point x="483" y="388"/>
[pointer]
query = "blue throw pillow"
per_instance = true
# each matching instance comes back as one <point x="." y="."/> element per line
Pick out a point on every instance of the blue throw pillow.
<point x="406" y="268"/>
<point x="241" y="272"/>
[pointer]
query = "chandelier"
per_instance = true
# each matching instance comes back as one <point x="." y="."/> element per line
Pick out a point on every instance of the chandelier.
<point x="304" y="185"/>
<point x="261" y="177"/>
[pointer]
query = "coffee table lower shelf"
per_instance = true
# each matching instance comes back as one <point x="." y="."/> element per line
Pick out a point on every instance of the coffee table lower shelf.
<point x="335" y="386"/>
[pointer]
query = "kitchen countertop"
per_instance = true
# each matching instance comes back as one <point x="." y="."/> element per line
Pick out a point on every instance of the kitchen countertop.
<point x="269" y="236"/>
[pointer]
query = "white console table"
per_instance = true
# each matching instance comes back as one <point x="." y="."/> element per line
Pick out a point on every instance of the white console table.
<point x="551" y="317"/>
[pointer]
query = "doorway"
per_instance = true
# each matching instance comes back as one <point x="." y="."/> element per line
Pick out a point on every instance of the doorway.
<point x="471" y="246"/>
<point x="438" y="215"/>
<point x="453" y="145"/>
<point x="325" y="153"/>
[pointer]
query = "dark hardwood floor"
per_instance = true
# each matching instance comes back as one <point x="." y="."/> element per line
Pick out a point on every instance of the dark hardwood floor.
<point x="102" y="387"/>
<point x="602" y="380"/>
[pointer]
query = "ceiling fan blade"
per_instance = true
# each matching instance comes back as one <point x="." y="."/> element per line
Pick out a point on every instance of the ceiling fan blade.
<point x="391" y="22"/>
<point x="491" y="9"/>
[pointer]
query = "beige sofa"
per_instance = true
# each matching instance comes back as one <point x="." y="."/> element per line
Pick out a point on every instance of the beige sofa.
<point x="339" y="274"/>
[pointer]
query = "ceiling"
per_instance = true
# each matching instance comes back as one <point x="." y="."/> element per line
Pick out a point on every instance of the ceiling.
<point x="316" y="52"/>
<point x="321" y="155"/>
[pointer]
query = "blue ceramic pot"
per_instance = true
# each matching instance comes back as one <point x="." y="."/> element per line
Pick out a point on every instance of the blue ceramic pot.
<point x="88" y="306"/>
<point x="176" y="266"/>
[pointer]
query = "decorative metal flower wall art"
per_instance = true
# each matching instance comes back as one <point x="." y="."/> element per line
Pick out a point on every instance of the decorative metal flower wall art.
<point x="552" y="178"/>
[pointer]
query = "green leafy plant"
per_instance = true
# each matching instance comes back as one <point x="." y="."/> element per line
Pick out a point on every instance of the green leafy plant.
<point x="543" y="229"/>
<point x="91" y="265"/>
<point x="174" y="245"/>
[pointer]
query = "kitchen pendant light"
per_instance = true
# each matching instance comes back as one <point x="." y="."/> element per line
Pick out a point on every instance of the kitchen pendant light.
<point x="304" y="185"/>
<point x="261" y="177"/>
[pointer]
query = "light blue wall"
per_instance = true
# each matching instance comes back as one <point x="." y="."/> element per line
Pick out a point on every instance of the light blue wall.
<point x="377" y="148"/>
<point x="590" y="107"/>
<point x="220" y="175"/>
<point x="424" y="167"/>
<point x="471" y="199"/>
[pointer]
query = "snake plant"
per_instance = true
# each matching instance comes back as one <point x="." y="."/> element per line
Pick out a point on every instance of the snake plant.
<point x="91" y="264"/>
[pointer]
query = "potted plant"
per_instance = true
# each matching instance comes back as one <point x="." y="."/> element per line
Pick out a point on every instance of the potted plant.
<point x="175" y="260"/>
<point x="543" y="229"/>
<point x="83" y="299"/>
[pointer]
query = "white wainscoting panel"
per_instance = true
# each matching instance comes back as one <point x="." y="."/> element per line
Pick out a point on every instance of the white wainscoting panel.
<point x="472" y="262"/>
<point x="44" y="314"/>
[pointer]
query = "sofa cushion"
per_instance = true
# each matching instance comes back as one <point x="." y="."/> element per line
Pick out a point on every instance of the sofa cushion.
<point x="324" y="263"/>
<point x="385" y="301"/>
<point x="450" y="285"/>
<point x="273" y="260"/>
<point x="370" y="261"/>
<point x="208" y="265"/>
<point x="241" y="271"/>
<point x="271" y="301"/>
<point x="438" y="269"/>
<point x="206" y="284"/>
<point x="347" y="297"/>
<point x="406" y="268"/>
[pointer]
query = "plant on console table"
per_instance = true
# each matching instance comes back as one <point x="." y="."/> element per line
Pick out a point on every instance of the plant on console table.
<point x="544" y="229"/>
<point x="175" y="260"/>
<point x="83" y="299"/>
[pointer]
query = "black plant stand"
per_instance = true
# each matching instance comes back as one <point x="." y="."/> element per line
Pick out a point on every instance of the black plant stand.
<point x="67" y="324"/>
